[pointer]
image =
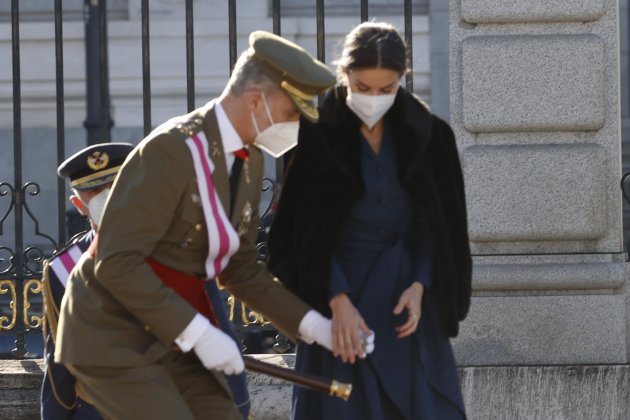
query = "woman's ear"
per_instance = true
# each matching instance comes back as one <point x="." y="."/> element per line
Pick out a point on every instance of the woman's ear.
<point x="78" y="204"/>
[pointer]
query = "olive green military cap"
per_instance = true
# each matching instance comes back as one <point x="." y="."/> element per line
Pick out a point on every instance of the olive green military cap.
<point x="290" y="66"/>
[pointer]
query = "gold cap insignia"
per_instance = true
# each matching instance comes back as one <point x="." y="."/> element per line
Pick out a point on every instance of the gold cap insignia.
<point x="98" y="160"/>
<point x="302" y="100"/>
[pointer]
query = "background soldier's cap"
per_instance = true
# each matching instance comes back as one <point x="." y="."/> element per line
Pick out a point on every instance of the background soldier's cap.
<point x="290" y="66"/>
<point x="95" y="165"/>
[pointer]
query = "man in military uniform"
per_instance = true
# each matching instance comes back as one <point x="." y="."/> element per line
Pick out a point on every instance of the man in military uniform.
<point x="91" y="173"/>
<point x="135" y="328"/>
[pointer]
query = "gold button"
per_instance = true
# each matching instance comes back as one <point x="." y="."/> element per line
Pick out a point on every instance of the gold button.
<point x="147" y="328"/>
<point x="198" y="226"/>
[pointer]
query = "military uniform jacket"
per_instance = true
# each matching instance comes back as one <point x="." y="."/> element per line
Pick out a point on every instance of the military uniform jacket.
<point x="58" y="396"/>
<point x="117" y="312"/>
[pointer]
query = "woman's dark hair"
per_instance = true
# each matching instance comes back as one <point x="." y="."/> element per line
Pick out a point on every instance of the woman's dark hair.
<point x="373" y="45"/>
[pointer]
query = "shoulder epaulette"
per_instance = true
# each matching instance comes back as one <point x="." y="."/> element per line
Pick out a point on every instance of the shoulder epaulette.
<point x="188" y="127"/>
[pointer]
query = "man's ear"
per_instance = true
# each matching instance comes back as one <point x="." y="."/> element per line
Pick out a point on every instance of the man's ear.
<point x="253" y="99"/>
<point x="78" y="204"/>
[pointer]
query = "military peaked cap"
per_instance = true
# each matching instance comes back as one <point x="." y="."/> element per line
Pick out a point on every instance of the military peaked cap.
<point x="95" y="165"/>
<point x="290" y="66"/>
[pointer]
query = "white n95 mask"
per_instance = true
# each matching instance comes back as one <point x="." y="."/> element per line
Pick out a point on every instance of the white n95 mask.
<point x="278" y="138"/>
<point x="369" y="108"/>
<point x="97" y="205"/>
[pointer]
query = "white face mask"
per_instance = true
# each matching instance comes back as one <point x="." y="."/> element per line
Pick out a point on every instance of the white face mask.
<point x="278" y="138"/>
<point x="369" y="108"/>
<point x="96" y="206"/>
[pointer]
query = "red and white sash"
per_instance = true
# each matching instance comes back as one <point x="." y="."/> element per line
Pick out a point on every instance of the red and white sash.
<point x="65" y="262"/>
<point x="223" y="241"/>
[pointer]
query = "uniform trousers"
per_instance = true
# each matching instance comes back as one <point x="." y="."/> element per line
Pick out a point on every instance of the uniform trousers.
<point x="176" y="387"/>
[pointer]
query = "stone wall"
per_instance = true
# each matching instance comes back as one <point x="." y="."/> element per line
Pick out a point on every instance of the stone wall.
<point x="536" y="110"/>
<point x="561" y="392"/>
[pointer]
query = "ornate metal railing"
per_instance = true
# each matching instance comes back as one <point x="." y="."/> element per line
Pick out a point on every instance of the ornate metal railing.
<point x="21" y="269"/>
<point x="21" y="285"/>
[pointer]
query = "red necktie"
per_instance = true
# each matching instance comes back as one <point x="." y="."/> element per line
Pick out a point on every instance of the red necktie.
<point x="242" y="154"/>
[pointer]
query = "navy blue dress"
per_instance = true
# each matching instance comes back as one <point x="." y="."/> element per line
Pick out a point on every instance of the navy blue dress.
<point x="410" y="378"/>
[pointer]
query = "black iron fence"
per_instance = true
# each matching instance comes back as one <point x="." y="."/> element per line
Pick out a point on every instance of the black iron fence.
<point x="21" y="263"/>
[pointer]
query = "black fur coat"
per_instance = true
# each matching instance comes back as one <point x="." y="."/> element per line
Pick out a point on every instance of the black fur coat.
<point x="323" y="181"/>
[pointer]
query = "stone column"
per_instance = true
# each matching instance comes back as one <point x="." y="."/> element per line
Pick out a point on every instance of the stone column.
<point x="536" y="111"/>
<point x="438" y="21"/>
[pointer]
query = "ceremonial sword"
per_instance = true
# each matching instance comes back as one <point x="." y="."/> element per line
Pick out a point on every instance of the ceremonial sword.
<point x="302" y="379"/>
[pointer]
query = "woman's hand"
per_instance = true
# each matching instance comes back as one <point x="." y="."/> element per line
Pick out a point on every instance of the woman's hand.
<point x="346" y="324"/>
<point x="411" y="299"/>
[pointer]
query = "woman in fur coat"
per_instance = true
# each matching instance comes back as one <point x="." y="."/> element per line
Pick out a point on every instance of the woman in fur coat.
<point x="371" y="229"/>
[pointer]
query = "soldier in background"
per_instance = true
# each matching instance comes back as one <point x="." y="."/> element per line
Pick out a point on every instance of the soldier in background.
<point x="91" y="173"/>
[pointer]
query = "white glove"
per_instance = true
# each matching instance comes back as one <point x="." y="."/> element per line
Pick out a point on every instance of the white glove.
<point x="316" y="328"/>
<point x="216" y="349"/>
